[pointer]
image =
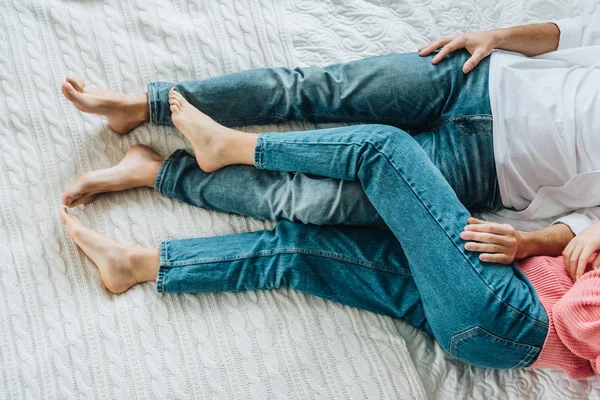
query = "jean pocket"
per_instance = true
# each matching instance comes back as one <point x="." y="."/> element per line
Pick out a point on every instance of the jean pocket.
<point x="478" y="347"/>
<point x="473" y="124"/>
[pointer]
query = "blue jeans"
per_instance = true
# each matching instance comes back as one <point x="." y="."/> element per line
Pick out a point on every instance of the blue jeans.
<point x="486" y="315"/>
<point x="448" y="113"/>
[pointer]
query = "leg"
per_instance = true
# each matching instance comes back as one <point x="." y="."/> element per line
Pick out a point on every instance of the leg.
<point x="363" y="268"/>
<point x="237" y="189"/>
<point x="399" y="89"/>
<point x="423" y="212"/>
<point x="267" y="195"/>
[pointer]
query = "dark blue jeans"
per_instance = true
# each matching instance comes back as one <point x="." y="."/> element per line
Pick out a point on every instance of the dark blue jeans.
<point x="417" y="269"/>
<point x="448" y="113"/>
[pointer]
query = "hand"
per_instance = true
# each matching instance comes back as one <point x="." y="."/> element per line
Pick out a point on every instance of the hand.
<point x="478" y="44"/>
<point x="579" y="250"/>
<point x="498" y="243"/>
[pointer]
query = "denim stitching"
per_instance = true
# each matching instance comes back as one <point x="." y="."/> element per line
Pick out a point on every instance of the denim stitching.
<point x="459" y="338"/>
<point x="294" y="250"/>
<point x="335" y="118"/>
<point x="258" y="160"/>
<point x="458" y="118"/>
<point x="161" y="269"/>
<point x="152" y="103"/>
<point x="398" y="170"/>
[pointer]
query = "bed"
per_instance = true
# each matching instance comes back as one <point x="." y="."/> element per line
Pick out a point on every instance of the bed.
<point x="65" y="337"/>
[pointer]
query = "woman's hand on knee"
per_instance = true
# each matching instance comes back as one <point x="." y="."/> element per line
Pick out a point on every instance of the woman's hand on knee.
<point x="478" y="44"/>
<point x="497" y="243"/>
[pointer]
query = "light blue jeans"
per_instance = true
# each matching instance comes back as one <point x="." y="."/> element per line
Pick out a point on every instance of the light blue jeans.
<point x="416" y="269"/>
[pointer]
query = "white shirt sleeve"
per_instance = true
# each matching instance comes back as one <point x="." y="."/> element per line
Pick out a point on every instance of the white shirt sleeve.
<point x="579" y="31"/>
<point x="580" y="220"/>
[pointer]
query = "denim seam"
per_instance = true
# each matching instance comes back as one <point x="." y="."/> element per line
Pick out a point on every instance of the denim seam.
<point x="160" y="279"/>
<point x="293" y="250"/>
<point x="456" y="118"/>
<point x="398" y="170"/>
<point x="152" y="103"/>
<point x="260" y="144"/>
<point x="160" y="176"/>
<point x="285" y="117"/>
<point x="528" y="359"/>
<point x="465" y="335"/>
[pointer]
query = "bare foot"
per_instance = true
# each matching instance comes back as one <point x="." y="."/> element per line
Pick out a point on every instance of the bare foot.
<point x="208" y="138"/>
<point x="124" y="112"/>
<point x="138" y="168"/>
<point x="120" y="266"/>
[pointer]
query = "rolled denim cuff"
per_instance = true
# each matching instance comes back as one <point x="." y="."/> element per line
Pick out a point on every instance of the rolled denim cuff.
<point x="158" y="103"/>
<point x="163" y="184"/>
<point x="258" y="151"/>
<point x="160" y="278"/>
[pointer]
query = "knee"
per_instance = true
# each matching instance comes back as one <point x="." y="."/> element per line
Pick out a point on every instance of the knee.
<point x="387" y="137"/>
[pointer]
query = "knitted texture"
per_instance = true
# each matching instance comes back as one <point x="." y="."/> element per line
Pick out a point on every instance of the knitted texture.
<point x="553" y="286"/>
<point x="65" y="337"/>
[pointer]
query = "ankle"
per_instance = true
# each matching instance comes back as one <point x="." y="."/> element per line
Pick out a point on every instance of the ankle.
<point x="144" y="263"/>
<point x="137" y="106"/>
<point x="151" y="172"/>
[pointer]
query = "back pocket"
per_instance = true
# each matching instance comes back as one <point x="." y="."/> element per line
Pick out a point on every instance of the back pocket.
<point x="478" y="347"/>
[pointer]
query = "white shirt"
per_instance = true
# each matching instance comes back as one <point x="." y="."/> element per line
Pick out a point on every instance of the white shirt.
<point x="546" y="112"/>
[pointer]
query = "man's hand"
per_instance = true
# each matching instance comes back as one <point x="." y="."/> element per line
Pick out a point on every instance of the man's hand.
<point x="498" y="243"/>
<point x="530" y="40"/>
<point x="580" y="249"/>
<point x="478" y="44"/>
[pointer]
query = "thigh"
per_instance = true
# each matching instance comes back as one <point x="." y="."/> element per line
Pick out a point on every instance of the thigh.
<point x="463" y="151"/>
<point x="460" y="294"/>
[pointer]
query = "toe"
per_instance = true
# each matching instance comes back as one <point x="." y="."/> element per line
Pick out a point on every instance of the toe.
<point x="77" y="82"/>
<point x="177" y="96"/>
<point x="67" y="198"/>
<point x="63" y="216"/>
<point x="174" y="108"/>
<point x="68" y="90"/>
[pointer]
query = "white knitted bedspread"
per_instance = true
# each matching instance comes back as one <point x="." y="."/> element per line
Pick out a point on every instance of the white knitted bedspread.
<point x="65" y="337"/>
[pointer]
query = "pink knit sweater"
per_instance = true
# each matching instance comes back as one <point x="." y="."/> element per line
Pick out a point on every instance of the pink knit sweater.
<point x="573" y="342"/>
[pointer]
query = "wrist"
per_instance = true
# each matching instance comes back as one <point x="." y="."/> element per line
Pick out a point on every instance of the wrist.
<point x="525" y="245"/>
<point x="499" y="37"/>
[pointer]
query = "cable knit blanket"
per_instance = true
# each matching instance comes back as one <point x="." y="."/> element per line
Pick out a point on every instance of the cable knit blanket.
<point x="65" y="337"/>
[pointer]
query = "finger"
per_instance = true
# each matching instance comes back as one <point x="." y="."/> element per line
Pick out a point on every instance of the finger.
<point x="447" y="49"/>
<point x="434" y="46"/>
<point x="567" y="253"/>
<point x="485" y="248"/>
<point x="573" y="260"/>
<point x="472" y="62"/>
<point x="496" y="258"/>
<point x="596" y="263"/>
<point x="490" y="228"/>
<point x="475" y="221"/>
<point x="484" y="238"/>
<point x="583" y="261"/>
